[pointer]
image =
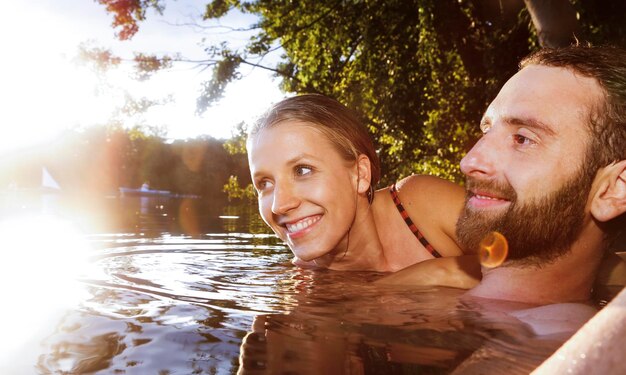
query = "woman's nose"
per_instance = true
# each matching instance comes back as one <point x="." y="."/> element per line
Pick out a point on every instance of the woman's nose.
<point x="285" y="199"/>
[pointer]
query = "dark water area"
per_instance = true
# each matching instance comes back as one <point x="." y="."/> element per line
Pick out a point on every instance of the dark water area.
<point x="160" y="286"/>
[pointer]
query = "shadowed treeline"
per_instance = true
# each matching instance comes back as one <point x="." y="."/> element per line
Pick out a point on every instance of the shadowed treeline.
<point x="101" y="159"/>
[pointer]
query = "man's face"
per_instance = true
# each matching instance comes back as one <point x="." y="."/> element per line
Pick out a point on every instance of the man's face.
<point x="526" y="176"/>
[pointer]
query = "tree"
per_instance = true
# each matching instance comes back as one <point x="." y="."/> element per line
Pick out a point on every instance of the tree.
<point x="554" y="20"/>
<point x="419" y="72"/>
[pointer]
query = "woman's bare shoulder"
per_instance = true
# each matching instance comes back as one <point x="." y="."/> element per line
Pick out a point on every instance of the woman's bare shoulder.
<point x="421" y="194"/>
<point x="425" y="188"/>
<point x="434" y="205"/>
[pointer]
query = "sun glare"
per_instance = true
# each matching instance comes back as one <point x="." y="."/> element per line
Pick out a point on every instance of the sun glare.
<point x="43" y="91"/>
<point x="41" y="260"/>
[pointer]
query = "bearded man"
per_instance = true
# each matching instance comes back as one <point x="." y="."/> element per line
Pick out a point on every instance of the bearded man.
<point x="549" y="173"/>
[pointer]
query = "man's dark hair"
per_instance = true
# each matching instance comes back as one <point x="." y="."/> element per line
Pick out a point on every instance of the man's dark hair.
<point x="607" y="65"/>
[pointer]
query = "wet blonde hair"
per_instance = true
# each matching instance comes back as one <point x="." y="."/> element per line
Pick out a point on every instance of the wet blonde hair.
<point x="338" y="123"/>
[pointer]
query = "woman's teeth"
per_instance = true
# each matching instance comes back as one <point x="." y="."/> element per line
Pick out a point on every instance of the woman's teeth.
<point x="302" y="224"/>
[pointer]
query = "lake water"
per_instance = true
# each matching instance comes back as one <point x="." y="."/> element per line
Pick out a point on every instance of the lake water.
<point x="158" y="286"/>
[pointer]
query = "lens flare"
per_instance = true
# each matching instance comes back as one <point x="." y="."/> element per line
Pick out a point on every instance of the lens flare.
<point x="493" y="250"/>
<point x="188" y="217"/>
<point x="42" y="258"/>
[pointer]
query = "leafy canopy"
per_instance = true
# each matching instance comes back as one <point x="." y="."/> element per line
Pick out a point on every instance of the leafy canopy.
<point x="419" y="72"/>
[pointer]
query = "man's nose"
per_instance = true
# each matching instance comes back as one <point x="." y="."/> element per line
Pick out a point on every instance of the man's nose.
<point x="481" y="160"/>
<point x="285" y="199"/>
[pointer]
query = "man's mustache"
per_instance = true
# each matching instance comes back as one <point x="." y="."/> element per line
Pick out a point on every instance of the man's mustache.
<point x="502" y="190"/>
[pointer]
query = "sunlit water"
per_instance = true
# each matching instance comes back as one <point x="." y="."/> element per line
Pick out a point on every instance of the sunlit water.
<point x="148" y="298"/>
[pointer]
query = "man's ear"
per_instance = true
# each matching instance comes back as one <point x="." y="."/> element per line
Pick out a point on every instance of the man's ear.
<point x="364" y="170"/>
<point x="609" y="200"/>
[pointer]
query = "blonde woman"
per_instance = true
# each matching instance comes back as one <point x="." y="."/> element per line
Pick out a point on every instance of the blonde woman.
<point x="315" y="170"/>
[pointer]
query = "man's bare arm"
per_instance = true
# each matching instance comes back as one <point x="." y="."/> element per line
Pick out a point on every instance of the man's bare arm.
<point x="456" y="272"/>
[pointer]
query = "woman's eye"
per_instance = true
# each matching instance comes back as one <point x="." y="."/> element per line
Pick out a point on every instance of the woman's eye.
<point x="303" y="170"/>
<point x="263" y="185"/>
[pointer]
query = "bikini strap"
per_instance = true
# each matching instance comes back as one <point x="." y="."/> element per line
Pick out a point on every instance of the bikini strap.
<point x="409" y="222"/>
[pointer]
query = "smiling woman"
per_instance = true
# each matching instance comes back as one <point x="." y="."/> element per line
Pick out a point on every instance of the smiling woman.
<point x="315" y="169"/>
<point x="313" y="172"/>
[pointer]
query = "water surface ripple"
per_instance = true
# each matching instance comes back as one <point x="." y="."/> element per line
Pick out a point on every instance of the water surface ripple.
<point x="223" y="303"/>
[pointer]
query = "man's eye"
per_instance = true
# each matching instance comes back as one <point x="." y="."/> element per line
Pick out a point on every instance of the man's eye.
<point x="521" y="140"/>
<point x="303" y="170"/>
<point x="485" y="127"/>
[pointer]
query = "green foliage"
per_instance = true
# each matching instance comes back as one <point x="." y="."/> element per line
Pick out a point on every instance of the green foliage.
<point x="218" y="8"/>
<point x="408" y="67"/>
<point x="603" y="22"/>
<point x="101" y="59"/>
<point x="419" y="72"/>
<point x="146" y="65"/>
<point x="235" y="191"/>
<point x="225" y="70"/>
<point x="236" y="145"/>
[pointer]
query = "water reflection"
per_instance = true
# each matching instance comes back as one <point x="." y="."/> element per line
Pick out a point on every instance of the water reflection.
<point x="178" y="286"/>
<point x="365" y="330"/>
<point x="154" y="216"/>
<point x="173" y="305"/>
<point x="151" y="216"/>
<point x="43" y="255"/>
<point x="183" y="305"/>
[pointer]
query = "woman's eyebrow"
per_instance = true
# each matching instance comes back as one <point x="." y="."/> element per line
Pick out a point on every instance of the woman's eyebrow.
<point x="301" y="156"/>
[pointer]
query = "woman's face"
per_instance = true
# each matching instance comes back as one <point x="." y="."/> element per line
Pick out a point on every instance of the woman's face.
<point x="307" y="191"/>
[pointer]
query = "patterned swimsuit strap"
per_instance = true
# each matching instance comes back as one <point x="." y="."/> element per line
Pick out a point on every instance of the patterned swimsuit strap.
<point x="409" y="222"/>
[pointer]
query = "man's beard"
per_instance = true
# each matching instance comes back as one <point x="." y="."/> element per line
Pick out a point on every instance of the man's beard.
<point x="537" y="232"/>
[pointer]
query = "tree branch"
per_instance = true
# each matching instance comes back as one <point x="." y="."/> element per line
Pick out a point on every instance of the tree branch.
<point x="554" y="20"/>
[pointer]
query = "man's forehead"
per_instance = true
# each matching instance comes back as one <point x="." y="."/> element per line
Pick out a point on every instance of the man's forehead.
<point x="557" y="84"/>
<point x="546" y="95"/>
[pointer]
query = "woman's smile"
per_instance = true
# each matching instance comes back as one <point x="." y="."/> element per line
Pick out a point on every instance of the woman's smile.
<point x="301" y="227"/>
